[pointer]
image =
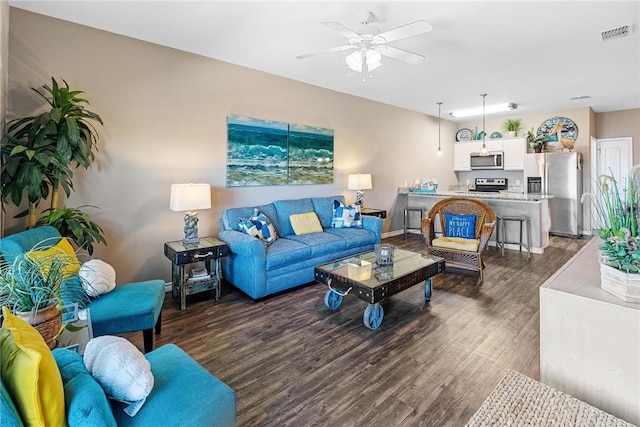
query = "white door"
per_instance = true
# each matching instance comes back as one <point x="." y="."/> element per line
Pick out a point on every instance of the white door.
<point x="613" y="157"/>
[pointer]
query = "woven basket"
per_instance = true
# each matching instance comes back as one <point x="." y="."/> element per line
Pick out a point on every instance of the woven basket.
<point x="47" y="321"/>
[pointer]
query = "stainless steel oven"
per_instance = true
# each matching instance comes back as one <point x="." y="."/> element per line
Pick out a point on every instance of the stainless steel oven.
<point x="492" y="160"/>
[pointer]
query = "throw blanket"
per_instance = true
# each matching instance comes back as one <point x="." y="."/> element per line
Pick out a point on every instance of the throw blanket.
<point x="97" y="277"/>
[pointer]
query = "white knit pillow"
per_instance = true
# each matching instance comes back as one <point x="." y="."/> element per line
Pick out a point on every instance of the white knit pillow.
<point x="97" y="277"/>
<point x="121" y="369"/>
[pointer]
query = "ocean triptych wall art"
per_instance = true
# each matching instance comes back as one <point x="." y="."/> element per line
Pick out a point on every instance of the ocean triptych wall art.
<point x="267" y="152"/>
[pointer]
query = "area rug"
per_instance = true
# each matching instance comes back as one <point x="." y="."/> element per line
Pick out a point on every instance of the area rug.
<point x="521" y="401"/>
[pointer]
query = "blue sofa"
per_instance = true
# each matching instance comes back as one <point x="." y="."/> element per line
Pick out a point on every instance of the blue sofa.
<point x="184" y="394"/>
<point x="260" y="270"/>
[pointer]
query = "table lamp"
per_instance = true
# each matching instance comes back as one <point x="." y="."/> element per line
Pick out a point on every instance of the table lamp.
<point x="189" y="197"/>
<point x="359" y="182"/>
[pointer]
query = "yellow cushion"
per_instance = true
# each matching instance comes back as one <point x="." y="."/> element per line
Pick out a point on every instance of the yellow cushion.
<point x="61" y="250"/>
<point x="459" y="243"/>
<point x="305" y="223"/>
<point x="30" y="373"/>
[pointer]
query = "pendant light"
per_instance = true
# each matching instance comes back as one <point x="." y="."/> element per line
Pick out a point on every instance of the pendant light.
<point x="483" y="150"/>
<point x="439" y="152"/>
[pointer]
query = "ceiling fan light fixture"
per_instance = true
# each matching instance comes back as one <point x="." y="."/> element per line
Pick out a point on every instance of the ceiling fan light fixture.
<point x="490" y="109"/>
<point x="371" y="57"/>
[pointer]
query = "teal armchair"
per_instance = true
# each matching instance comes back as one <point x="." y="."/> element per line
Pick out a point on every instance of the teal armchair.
<point x="130" y="307"/>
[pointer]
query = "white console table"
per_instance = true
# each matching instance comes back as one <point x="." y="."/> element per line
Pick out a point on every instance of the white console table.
<point x="589" y="339"/>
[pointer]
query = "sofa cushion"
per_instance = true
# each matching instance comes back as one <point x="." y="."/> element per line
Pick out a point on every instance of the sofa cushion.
<point x="30" y="373"/>
<point x="85" y="401"/>
<point x="324" y="209"/>
<point x="230" y="216"/>
<point x="346" y="216"/>
<point x="354" y="237"/>
<point x="286" y="208"/>
<point x="305" y="223"/>
<point x="321" y="243"/>
<point x="121" y="369"/>
<point x="460" y="225"/>
<point x="286" y="251"/>
<point x="258" y="226"/>
<point x="459" y="243"/>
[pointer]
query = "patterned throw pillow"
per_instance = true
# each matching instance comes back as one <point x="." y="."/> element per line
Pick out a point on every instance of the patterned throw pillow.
<point x="460" y="225"/>
<point x="258" y="226"/>
<point x="346" y="216"/>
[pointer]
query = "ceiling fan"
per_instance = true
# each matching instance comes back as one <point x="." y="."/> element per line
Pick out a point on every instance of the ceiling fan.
<point x="370" y="44"/>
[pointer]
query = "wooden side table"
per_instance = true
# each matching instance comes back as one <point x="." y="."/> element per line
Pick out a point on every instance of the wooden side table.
<point x="209" y="249"/>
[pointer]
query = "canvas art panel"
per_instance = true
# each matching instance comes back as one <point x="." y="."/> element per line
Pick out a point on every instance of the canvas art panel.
<point x="267" y="152"/>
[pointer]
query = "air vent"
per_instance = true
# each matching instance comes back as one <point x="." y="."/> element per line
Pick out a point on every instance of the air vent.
<point x="616" y="33"/>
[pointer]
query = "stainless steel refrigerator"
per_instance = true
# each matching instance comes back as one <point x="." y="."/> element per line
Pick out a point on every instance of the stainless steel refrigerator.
<point x="558" y="175"/>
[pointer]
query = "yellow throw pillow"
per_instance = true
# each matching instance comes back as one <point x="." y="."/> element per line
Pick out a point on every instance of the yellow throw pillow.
<point x="459" y="243"/>
<point x="62" y="250"/>
<point x="305" y="223"/>
<point x="30" y="373"/>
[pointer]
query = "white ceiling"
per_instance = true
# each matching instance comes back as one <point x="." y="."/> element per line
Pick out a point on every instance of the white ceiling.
<point x="537" y="54"/>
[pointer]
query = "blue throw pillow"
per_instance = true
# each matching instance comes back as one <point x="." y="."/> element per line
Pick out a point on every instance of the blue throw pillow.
<point x="460" y="226"/>
<point x="346" y="216"/>
<point x="258" y="226"/>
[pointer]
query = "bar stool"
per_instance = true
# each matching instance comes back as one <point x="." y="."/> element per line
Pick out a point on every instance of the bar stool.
<point x="407" y="218"/>
<point x="501" y="232"/>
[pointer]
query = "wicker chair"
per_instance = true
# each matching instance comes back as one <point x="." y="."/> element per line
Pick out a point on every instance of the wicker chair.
<point x="485" y="223"/>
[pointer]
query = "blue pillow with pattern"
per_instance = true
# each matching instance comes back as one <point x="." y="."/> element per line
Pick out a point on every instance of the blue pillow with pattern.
<point x="460" y="226"/>
<point x="258" y="226"/>
<point x="346" y="216"/>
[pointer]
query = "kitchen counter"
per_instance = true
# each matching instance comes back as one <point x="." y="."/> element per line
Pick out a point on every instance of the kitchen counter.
<point x="535" y="206"/>
<point x="487" y="196"/>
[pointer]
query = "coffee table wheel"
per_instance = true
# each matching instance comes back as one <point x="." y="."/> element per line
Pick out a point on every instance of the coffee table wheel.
<point x="332" y="299"/>
<point x="427" y="290"/>
<point x="373" y="315"/>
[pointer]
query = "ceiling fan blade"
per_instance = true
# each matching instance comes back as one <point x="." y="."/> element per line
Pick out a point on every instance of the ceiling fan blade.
<point x="322" y="52"/>
<point x="401" y="55"/>
<point x="409" y="30"/>
<point x="336" y="26"/>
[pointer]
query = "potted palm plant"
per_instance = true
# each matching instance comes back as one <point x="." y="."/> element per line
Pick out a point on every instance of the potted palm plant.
<point x="35" y="287"/>
<point x="39" y="155"/>
<point x="616" y="208"/>
<point x="512" y="127"/>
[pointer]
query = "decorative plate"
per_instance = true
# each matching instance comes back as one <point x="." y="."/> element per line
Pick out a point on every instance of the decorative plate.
<point x="464" y="135"/>
<point x="481" y="135"/>
<point x="561" y="131"/>
<point x="495" y="135"/>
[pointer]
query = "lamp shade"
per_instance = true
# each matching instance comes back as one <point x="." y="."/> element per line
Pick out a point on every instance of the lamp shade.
<point x="359" y="181"/>
<point x="190" y="197"/>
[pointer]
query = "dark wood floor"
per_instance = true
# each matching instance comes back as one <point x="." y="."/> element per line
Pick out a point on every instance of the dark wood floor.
<point x="292" y="362"/>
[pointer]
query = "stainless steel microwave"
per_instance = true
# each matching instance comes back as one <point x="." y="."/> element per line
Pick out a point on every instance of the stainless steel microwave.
<point x="492" y="160"/>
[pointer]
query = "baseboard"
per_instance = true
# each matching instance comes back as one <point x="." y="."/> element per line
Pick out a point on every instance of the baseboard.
<point x="167" y="287"/>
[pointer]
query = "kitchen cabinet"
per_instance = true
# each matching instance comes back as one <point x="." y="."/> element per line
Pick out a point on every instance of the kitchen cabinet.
<point x="461" y="156"/>
<point x="514" y="150"/>
<point x="462" y="152"/>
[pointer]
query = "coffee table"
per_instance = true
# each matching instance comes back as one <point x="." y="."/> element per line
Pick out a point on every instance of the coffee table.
<point x="359" y="275"/>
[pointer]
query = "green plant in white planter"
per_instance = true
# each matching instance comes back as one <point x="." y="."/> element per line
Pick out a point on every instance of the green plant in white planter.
<point x="512" y="126"/>
<point x="616" y="210"/>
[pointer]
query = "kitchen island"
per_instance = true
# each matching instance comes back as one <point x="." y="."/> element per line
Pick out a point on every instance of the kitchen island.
<point x="535" y="206"/>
